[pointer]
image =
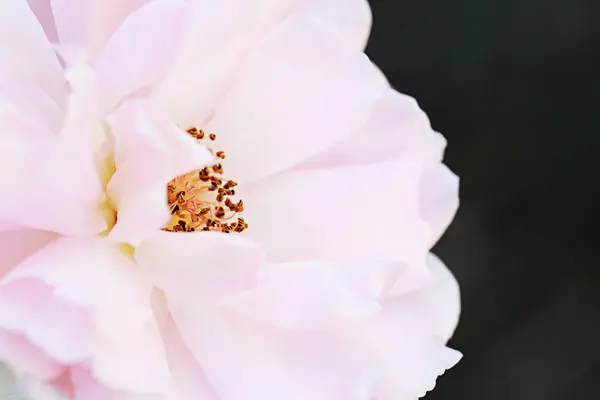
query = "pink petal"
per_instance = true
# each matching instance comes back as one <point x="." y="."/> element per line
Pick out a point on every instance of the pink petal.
<point x="189" y="379"/>
<point x="352" y="18"/>
<point x="149" y="151"/>
<point x="16" y="245"/>
<point x="70" y="339"/>
<point x="69" y="175"/>
<point x="329" y="92"/>
<point x="139" y="52"/>
<point x="21" y="148"/>
<point x="43" y="11"/>
<point x="35" y="162"/>
<point x="438" y="302"/>
<point x="26" y="106"/>
<point x="360" y="213"/>
<point x="32" y="96"/>
<point x="409" y="358"/>
<point x="58" y="299"/>
<point x="407" y="339"/>
<point x="26" y="46"/>
<point x="301" y="295"/>
<point x="397" y="128"/>
<point x="269" y="363"/>
<point x="49" y="162"/>
<point x="235" y="29"/>
<point x="26" y="357"/>
<point x="46" y="192"/>
<point x="231" y="26"/>
<point x="89" y="24"/>
<point x="439" y="198"/>
<point x="88" y="388"/>
<point x="396" y="352"/>
<point x="207" y="267"/>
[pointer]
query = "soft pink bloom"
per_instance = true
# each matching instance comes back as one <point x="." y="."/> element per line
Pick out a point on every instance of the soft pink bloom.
<point x="330" y="294"/>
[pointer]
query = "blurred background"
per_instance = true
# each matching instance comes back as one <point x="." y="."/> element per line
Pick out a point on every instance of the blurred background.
<point x="512" y="85"/>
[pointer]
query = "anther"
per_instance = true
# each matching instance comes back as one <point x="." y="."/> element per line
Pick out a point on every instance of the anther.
<point x="191" y="204"/>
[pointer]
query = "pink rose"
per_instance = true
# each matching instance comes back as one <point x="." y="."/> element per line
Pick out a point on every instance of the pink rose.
<point x="219" y="200"/>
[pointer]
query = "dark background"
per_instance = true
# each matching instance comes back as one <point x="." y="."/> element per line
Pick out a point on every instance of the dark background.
<point x="512" y="85"/>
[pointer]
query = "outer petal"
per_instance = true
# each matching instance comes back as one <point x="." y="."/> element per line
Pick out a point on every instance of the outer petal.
<point x="301" y="295"/>
<point x="329" y="92"/>
<point x="270" y="363"/>
<point x="407" y="339"/>
<point x="16" y="245"/>
<point x="351" y="18"/>
<point x="88" y="24"/>
<point x="83" y="300"/>
<point x="139" y="52"/>
<point x="20" y="147"/>
<point x="26" y="357"/>
<point x="234" y="29"/>
<point x="395" y="351"/>
<point x="440" y="300"/>
<point x="25" y="107"/>
<point x="53" y="166"/>
<point x="70" y="175"/>
<point x="43" y="11"/>
<point x="29" y="119"/>
<point x="25" y="45"/>
<point x="35" y="161"/>
<point x="399" y="128"/>
<point x="200" y="267"/>
<point x="410" y="360"/>
<point x="149" y="151"/>
<point x="189" y="379"/>
<point x="361" y="213"/>
<point x="439" y="198"/>
<point x="396" y="128"/>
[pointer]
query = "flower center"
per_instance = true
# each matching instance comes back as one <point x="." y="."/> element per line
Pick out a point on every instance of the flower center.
<point x="200" y="200"/>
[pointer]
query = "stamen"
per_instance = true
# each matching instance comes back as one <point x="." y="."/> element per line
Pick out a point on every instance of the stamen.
<point x="192" y="202"/>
